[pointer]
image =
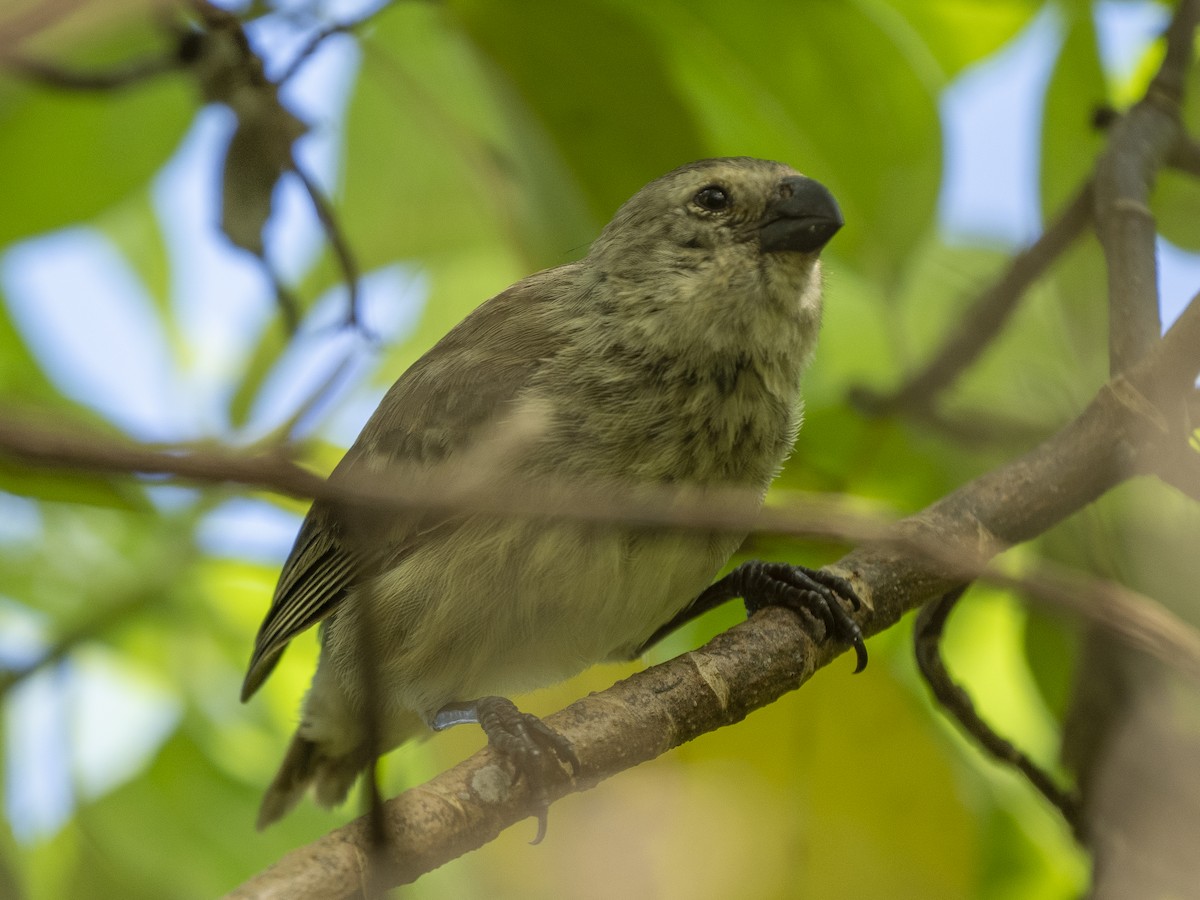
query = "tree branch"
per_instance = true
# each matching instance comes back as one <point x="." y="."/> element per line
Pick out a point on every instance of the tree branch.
<point x="463" y="486"/>
<point x="927" y="636"/>
<point x="653" y="711"/>
<point x="1140" y="144"/>
<point x="673" y="703"/>
<point x="29" y="21"/>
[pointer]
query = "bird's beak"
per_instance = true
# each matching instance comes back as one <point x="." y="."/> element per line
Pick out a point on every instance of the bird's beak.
<point x="802" y="216"/>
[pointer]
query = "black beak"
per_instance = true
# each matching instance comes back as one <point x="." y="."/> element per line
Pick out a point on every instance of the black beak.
<point x="802" y="216"/>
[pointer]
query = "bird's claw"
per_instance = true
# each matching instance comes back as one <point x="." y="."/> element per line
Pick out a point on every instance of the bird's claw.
<point x="812" y="593"/>
<point x="535" y="750"/>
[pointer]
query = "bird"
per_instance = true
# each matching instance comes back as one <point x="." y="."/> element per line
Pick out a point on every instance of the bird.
<point x="670" y="355"/>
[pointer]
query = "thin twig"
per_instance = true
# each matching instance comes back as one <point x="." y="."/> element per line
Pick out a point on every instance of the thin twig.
<point x="314" y="43"/>
<point x="339" y="243"/>
<point x="324" y="34"/>
<point x="1126" y="405"/>
<point x="927" y="636"/>
<point x="986" y="316"/>
<point x="288" y="430"/>
<point x="104" y="620"/>
<point x="115" y="78"/>
<point x="285" y="298"/>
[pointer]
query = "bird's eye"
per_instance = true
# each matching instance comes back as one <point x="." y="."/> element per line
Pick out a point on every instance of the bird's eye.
<point x="712" y="198"/>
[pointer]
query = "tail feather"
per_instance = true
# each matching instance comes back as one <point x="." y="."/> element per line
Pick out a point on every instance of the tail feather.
<point x="305" y="764"/>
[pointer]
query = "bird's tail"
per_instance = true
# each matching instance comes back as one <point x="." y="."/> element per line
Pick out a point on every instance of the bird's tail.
<point x="305" y="764"/>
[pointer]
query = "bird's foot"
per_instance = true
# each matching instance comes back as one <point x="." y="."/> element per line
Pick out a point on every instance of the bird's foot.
<point x="536" y="750"/>
<point x="811" y="593"/>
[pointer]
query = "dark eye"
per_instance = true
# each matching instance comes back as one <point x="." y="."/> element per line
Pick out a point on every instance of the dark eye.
<point x="712" y="198"/>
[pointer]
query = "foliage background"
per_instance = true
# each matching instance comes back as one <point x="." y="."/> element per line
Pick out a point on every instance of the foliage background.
<point x="466" y="143"/>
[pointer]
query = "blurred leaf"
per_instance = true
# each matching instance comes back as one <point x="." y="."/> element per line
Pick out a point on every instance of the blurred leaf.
<point x="59" y="486"/>
<point x="1079" y="307"/>
<point x="1052" y="648"/>
<point x="255" y="370"/>
<point x="1070" y="144"/>
<point x="22" y="379"/>
<point x="961" y="32"/>
<point x="258" y="155"/>
<point x="1041" y="370"/>
<point x="790" y="91"/>
<point x="47" y="132"/>
<point x="133" y="227"/>
<point x="88" y="32"/>
<point x="1176" y="199"/>
<point x="607" y="89"/>
<point x="440" y="159"/>
<point x="179" y="831"/>
<point x="1021" y="862"/>
<point x="84" y="560"/>
<point x="824" y="768"/>
<point x="1177" y="194"/>
<point x="459" y="283"/>
<point x="24" y="385"/>
<point x="12" y="875"/>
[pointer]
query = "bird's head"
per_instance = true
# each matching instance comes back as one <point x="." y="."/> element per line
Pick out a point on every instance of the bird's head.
<point x="719" y="241"/>
<point x="735" y="202"/>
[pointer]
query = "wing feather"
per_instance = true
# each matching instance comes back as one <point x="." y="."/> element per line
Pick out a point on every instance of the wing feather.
<point x="435" y="409"/>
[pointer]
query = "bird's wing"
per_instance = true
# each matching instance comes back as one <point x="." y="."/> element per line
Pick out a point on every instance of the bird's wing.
<point x="436" y="408"/>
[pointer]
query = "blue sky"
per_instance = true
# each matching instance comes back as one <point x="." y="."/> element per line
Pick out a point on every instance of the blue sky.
<point x="990" y="115"/>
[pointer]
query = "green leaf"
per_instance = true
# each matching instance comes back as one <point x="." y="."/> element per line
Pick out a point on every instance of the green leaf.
<point x="69" y="486"/>
<point x="181" y="830"/>
<point x="961" y="32"/>
<point x="440" y="159"/>
<point x="133" y="227"/>
<point x="1070" y="144"/>
<point x="1175" y="201"/>
<point x="22" y="379"/>
<point x="1177" y="194"/>
<point x="791" y="91"/>
<point x="611" y="107"/>
<point x="257" y="366"/>
<point x="66" y="157"/>
<point x="1053" y="653"/>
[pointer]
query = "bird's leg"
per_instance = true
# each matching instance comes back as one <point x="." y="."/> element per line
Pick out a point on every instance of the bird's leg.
<point x="707" y="600"/>
<point x="811" y="593"/>
<point x="535" y="749"/>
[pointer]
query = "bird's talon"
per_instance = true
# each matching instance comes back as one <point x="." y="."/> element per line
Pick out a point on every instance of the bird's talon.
<point x="542" y="818"/>
<point x="860" y="652"/>
<point x="813" y="594"/>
